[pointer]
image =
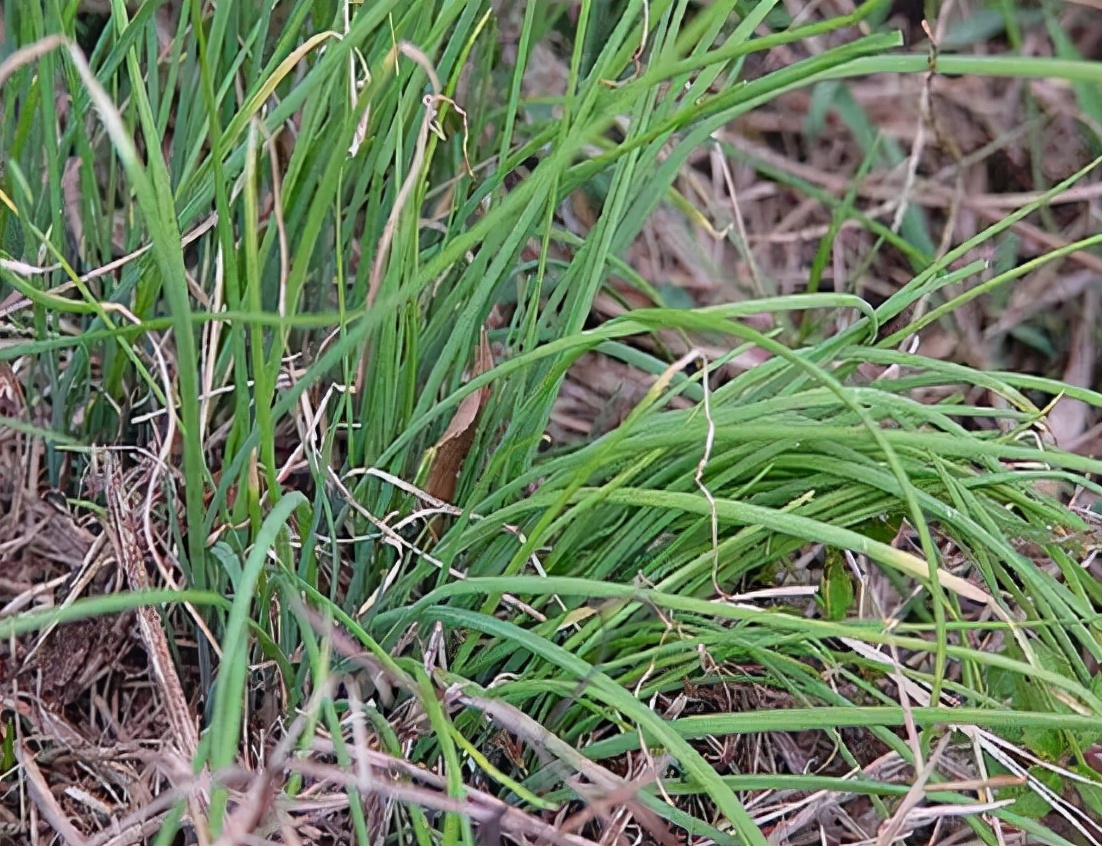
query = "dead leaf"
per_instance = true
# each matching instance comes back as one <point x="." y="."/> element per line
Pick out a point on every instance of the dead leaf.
<point x="454" y="445"/>
<point x="12" y="403"/>
<point x="1071" y="417"/>
<point x="71" y="195"/>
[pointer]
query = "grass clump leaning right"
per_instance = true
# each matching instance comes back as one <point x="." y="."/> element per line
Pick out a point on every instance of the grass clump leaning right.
<point x="545" y="423"/>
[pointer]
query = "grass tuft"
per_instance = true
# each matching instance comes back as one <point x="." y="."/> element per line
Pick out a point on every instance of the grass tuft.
<point x="549" y="422"/>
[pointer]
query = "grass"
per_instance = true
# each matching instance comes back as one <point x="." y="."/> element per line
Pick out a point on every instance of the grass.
<point x="373" y="258"/>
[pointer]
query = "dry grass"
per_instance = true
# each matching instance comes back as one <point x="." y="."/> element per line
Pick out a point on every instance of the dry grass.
<point x="101" y="726"/>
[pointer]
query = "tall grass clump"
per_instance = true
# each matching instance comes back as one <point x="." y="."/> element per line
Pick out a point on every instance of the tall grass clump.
<point x="299" y="280"/>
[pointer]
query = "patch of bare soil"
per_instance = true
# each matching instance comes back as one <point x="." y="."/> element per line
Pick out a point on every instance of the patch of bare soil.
<point x="80" y="710"/>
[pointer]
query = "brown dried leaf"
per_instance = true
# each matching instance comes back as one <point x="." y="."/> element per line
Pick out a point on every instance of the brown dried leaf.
<point x="125" y="537"/>
<point x="455" y="443"/>
<point x="43" y="797"/>
<point x="1070" y="418"/>
<point x="71" y="195"/>
<point x="12" y="403"/>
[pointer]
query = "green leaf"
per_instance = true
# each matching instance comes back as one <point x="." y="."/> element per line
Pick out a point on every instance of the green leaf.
<point x="11" y="234"/>
<point x="7" y="747"/>
<point x="1046" y="744"/>
<point x="1031" y="804"/>
<point x="836" y="589"/>
<point x="1091" y="794"/>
